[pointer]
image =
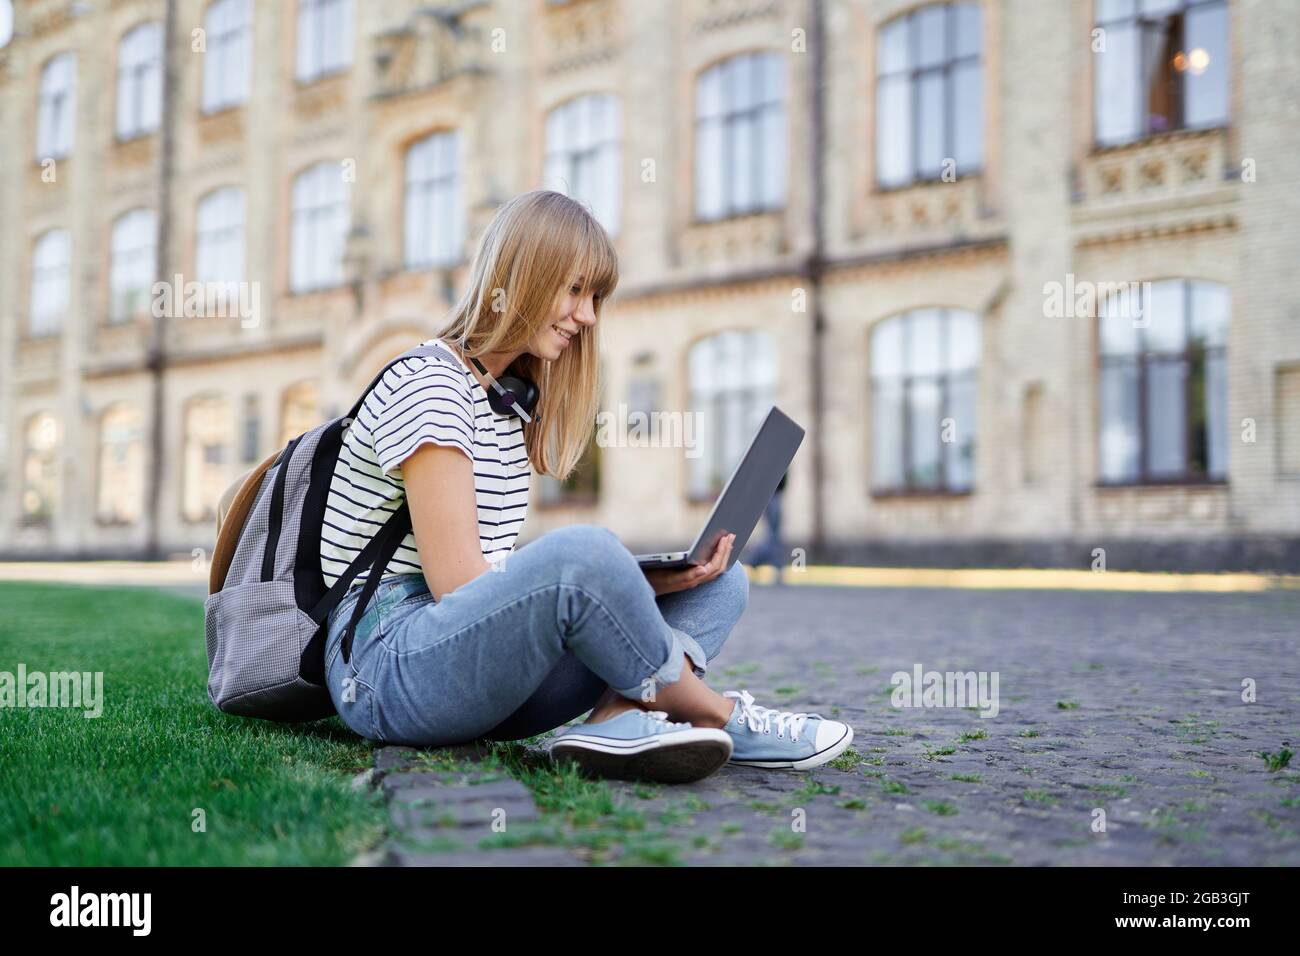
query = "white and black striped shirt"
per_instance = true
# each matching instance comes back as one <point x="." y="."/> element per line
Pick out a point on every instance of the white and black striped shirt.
<point x="421" y="401"/>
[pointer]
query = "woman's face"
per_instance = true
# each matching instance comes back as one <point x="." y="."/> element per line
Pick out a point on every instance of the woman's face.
<point x="574" y="310"/>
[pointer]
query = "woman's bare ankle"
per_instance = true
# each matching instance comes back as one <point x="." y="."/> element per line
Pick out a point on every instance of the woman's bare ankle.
<point x="606" y="709"/>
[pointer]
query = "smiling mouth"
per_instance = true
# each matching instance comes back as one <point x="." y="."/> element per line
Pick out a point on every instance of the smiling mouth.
<point x="563" y="334"/>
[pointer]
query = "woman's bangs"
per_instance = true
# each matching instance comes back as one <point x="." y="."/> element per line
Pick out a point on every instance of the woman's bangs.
<point x="597" y="263"/>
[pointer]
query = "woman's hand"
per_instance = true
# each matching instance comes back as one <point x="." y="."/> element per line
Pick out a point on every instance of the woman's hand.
<point x="668" y="580"/>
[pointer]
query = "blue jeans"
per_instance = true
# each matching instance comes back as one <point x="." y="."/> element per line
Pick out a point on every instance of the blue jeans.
<point x="522" y="649"/>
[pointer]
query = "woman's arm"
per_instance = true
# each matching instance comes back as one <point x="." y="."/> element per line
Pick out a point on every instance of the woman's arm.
<point x="444" y="515"/>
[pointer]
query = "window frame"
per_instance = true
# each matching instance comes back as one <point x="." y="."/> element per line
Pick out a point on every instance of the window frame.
<point x="50" y="324"/>
<point x="129" y="412"/>
<point x="215" y="199"/>
<point x="754" y="396"/>
<point x="58" y="103"/>
<point x="316" y="69"/>
<point x="230" y="38"/>
<point x="906" y="380"/>
<point x="125" y="222"/>
<point x="452" y="182"/>
<point x="49" y="458"/>
<point x="311" y="213"/>
<point x="1142" y="359"/>
<point x="143" y="117"/>
<point x="729" y="116"/>
<point x="607" y="147"/>
<point x="913" y="73"/>
<point x="1141" y="22"/>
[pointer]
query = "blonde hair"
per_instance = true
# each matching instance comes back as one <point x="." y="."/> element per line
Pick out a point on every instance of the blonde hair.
<point x="535" y="247"/>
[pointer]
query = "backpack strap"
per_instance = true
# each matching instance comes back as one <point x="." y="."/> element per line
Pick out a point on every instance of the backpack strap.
<point x="420" y="351"/>
<point x="379" y="550"/>
<point x="389" y="539"/>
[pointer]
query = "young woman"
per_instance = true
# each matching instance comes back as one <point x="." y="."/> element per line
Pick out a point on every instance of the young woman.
<point x="467" y="638"/>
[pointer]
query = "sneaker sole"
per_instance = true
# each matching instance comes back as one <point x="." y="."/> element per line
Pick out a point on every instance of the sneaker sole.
<point x="807" y="763"/>
<point x="683" y="757"/>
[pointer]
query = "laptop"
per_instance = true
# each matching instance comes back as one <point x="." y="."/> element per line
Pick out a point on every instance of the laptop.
<point x="744" y="497"/>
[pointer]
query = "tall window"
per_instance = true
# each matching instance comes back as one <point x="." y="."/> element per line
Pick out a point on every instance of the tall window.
<point x="1164" y="66"/>
<point x="1164" y="385"/>
<point x="324" y="38"/>
<point x="923" y="374"/>
<point x="320" y="227"/>
<point x="40" y="468"/>
<point x="732" y="387"/>
<point x="227" y="62"/>
<point x="120" y="482"/>
<point x="583" y="154"/>
<point x="139" y="81"/>
<point x="740" y="136"/>
<point x="219" y="249"/>
<point x="56" y="107"/>
<point x="299" y="410"/>
<point x="50" y="271"/>
<point x="132" y="264"/>
<point x="434" y="226"/>
<point x="206" y="454"/>
<point x="929" y="95"/>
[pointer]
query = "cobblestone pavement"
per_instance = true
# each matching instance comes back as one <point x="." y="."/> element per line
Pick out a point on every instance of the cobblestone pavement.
<point x="1122" y="709"/>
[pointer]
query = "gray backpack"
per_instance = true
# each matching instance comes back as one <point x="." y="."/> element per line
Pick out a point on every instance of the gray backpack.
<point x="268" y="604"/>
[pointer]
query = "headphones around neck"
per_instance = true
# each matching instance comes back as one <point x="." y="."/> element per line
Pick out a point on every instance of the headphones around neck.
<point x="511" y="394"/>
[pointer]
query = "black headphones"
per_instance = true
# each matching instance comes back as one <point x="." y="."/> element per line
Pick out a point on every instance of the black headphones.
<point x="511" y="394"/>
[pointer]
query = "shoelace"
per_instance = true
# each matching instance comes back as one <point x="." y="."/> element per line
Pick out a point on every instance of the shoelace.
<point x="660" y="718"/>
<point x="761" y="718"/>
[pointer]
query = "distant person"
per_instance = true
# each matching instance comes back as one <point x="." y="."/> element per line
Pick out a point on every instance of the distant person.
<point x="467" y="638"/>
<point x="770" y="550"/>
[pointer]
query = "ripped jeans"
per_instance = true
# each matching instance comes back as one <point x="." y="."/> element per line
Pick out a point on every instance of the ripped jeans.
<point x="524" y="648"/>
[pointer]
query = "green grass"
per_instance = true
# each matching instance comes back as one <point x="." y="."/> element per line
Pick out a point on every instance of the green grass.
<point x="123" y="788"/>
<point x="1277" y="761"/>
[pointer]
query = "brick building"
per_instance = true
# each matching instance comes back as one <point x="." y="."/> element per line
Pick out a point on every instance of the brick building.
<point x="1023" y="268"/>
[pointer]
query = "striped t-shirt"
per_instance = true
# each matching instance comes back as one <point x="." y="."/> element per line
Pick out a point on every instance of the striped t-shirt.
<point x="421" y="401"/>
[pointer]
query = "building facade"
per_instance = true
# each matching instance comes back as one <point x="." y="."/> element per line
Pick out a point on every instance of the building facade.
<point x="1022" y="268"/>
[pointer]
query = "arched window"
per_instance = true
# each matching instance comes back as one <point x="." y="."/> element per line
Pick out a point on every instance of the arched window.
<point x="434" y="221"/>
<point x="120" y="482"/>
<point x="206" y="455"/>
<point x="131" y="264"/>
<point x="320" y="227"/>
<point x="51" y="258"/>
<point x="1163" y="394"/>
<point x="40" y="468"/>
<point x="139" y="81"/>
<point x="56" y="107"/>
<point x="219" y="245"/>
<point x="227" y="62"/>
<point x="1161" y="65"/>
<point x="732" y="387"/>
<point x="923" y="374"/>
<point x="740" y="136"/>
<point x="583" y="154"/>
<point x="929" y="94"/>
<point x="299" y="410"/>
